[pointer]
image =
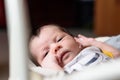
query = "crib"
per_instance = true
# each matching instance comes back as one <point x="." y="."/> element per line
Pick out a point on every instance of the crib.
<point x="18" y="32"/>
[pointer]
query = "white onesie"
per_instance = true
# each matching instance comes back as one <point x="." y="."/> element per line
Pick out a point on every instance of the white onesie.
<point x="89" y="56"/>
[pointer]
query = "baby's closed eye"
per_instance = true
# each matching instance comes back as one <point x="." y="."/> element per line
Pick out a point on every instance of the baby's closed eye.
<point x="59" y="39"/>
<point x="46" y="54"/>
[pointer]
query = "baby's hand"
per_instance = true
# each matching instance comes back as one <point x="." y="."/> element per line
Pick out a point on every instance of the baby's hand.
<point x="51" y="62"/>
<point x="84" y="41"/>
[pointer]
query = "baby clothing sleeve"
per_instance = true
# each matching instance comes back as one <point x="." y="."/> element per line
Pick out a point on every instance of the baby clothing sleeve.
<point x="89" y="56"/>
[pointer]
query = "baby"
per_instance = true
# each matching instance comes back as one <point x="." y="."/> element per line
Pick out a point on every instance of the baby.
<point x="53" y="47"/>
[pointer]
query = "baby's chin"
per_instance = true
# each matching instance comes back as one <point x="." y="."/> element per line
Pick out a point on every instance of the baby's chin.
<point x="68" y="60"/>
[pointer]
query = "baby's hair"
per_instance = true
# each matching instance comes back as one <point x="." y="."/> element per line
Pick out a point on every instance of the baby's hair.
<point x="36" y="30"/>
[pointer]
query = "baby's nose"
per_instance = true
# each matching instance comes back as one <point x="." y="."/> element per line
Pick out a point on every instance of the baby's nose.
<point x="55" y="47"/>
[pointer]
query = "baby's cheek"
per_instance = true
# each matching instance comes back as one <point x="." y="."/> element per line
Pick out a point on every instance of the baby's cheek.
<point x="68" y="60"/>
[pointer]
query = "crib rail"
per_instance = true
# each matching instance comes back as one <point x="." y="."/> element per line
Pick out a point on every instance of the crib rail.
<point x="17" y="26"/>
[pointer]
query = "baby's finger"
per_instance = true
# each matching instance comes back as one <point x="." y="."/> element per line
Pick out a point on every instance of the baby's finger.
<point x="81" y="36"/>
<point x="78" y="39"/>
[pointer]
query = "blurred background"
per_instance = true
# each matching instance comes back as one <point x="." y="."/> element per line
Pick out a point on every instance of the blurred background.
<point x="92" y="18"/>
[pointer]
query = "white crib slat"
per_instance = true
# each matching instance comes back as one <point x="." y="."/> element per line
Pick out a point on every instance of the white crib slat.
<point x="17" y="25"/>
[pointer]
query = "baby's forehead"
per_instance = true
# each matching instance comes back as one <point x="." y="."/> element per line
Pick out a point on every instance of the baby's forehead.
<point x="57" y="28"/>
<point x="49" y="34"/>
<point x="50" y="27"/>
<point x="50" y="31"/>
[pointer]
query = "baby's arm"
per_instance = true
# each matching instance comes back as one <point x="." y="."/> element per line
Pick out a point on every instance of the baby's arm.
<point x="92" y="42"/>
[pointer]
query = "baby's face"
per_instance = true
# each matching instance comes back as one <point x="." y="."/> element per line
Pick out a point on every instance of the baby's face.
<point x="54" y="46"/>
